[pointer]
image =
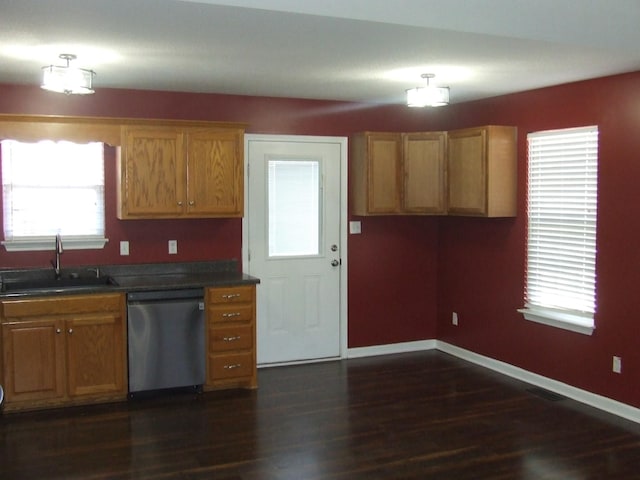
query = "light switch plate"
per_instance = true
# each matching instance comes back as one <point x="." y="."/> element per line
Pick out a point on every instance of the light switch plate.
<point x="173" y="247"/>
<point x="355" y="227"/>
<point x="124" y="247"/>
<point x="617" y="365"/>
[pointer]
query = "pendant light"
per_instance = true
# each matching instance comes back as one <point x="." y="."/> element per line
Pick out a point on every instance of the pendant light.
<point x="428" y="96"/>
<point x="67" y="79"/>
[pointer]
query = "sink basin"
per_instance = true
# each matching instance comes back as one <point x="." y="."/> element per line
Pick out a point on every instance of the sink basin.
<point x="65" y="283"/>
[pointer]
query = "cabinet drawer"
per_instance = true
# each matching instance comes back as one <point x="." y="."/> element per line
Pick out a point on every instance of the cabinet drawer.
<point x="231" y="313"/>
<point x="63" y="305"/>
<point x="231" y="366"/>
<point x="231" y="338"/>
<point x="231" y="294"/>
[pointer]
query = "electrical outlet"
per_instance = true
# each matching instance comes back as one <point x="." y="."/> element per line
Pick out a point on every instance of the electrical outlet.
<point x="124" y="247"/>
<point x="454" y="318"/>
<point x="173" y="247"/>
<point x="617" y="364"/>
<point x="355" y="227"/>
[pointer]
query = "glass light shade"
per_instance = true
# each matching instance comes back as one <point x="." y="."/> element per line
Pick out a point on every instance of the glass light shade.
<point x="428" y="96"/>
<point x="68" y="80"/>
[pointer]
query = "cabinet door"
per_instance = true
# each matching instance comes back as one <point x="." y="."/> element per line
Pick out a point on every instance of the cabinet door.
<point x="424" y="156"/>
<point x="215" y="175"/>
<point x="33" y="360"/>
<point x="95" y="354"/>
<point x="385" y="166"/>
<point x="375" y="162"/>
<point x="152" y="183"/>
<point x="467" y="172"/>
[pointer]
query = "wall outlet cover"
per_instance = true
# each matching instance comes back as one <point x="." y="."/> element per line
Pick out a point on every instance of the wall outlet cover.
<point x="617" y="365"/>
<point x="124" y="247"/>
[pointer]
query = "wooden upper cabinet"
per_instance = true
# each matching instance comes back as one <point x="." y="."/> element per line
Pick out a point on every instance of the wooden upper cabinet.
<point x="396" y="173"/>
<point x="376" y="173"/>
<point x="181" y="172"/>
<point x="152" y="176"/>
<point x="424" y="157"/>
<point x="215" y="173"/>
<point x="482" y="173"/>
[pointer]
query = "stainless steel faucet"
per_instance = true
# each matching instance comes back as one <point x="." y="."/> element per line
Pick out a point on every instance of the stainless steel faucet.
<point x="59" y="250"/>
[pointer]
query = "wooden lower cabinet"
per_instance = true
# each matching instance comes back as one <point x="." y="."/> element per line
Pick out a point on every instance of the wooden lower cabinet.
<point x="231" y="337"/>
<point x="66" y="350"/>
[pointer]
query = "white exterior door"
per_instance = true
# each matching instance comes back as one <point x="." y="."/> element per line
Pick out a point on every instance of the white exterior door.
<point x="293" y="227"/>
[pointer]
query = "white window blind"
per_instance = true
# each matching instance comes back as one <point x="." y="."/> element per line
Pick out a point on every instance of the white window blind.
<point x="50" y="188"/>
<point x="561" y="245"/>
<point x="294" y="207"/>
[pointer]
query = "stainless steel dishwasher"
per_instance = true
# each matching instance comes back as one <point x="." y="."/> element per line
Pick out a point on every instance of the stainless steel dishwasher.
<point x="166" y="341"/>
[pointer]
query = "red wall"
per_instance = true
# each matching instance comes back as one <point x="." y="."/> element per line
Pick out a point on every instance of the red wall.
<point x="392" y="264"/>
<point x="481" y="261"/>
<point x="406" y="275"/>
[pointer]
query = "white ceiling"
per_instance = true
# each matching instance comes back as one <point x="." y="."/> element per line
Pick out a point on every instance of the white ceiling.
<point x="355" y="50"/>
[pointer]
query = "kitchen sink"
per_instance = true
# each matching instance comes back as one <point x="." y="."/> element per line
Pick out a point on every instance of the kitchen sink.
<point x="64" y="283"/>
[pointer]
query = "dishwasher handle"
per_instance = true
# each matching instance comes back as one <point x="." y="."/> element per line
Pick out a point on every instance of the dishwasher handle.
<point x="164" y="295"/>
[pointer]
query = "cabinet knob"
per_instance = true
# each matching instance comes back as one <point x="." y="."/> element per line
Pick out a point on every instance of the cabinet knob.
<point x="179" y="204"/>
<point x="192" y="203"/>
<point x="70" y="331"/>
<point x="58" y="330"/>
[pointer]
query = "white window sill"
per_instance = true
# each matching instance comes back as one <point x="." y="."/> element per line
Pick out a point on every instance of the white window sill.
<point x="567" y="321"/>
<point x="48" y="243"/>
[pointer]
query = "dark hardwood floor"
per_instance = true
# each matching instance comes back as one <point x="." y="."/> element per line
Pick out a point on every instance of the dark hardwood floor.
<point x="411" y="416"/>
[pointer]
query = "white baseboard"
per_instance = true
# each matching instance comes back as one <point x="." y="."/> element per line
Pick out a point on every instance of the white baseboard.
<point x="583" y="396"/>
<point x="603" y="403"/>
<point x="391" y="348"/>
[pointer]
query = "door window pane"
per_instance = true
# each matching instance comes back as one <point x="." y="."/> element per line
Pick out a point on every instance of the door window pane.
<point x="294" y="207"/>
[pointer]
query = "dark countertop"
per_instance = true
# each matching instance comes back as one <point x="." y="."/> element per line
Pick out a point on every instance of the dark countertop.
<point x="126" y="278"/>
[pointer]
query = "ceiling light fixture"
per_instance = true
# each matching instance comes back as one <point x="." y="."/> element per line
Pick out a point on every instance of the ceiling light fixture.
<point x="428" y="96"/>
<point x="67" y="79"/>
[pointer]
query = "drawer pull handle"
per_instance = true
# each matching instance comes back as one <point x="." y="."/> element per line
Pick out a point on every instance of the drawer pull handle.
<point x="229" y="296"/>
<point x="229" y="315"/>
<point x="231" y="339"/>
<point x="232" y="366"/>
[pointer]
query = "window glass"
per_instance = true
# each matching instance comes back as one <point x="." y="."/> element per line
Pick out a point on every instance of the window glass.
<point x="52" y="188"/>
<point x="294" y="207"/>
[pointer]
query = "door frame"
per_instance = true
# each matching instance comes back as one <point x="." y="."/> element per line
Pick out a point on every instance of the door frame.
<point x="342" y="141"/>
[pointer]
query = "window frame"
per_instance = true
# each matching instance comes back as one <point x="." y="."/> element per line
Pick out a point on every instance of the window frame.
<point x="554" y="315"/>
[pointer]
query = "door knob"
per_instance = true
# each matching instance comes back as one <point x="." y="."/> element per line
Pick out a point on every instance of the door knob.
<point x="335" y="263"/>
